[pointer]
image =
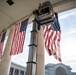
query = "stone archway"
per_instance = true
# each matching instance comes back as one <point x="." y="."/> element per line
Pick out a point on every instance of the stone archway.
<point x="60" y="71"/>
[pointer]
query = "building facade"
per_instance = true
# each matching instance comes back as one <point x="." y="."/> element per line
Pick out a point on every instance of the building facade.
<point x="16" y="69"/>
<point x="50" y="69"/>
<point x="57" y="69"/>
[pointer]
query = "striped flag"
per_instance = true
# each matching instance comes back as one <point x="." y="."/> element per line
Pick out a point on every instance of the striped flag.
<point x="52" y="37"/>
<point x="18" y="38"/>
<point x="2" y="38"/>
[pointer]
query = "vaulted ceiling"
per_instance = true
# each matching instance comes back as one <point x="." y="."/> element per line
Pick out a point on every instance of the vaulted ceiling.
<point x="22" y="8"/>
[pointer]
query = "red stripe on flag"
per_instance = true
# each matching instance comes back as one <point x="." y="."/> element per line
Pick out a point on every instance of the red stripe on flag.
<point x="52" y="42"/>
<point x="18" y="41"/>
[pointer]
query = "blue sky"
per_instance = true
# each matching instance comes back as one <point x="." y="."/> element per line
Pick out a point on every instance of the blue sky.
<point x="68" y="42"/>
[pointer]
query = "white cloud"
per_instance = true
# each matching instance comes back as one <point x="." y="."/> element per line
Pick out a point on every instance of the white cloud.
<point x="67" y="15"/>
<point x="69" y="32"/>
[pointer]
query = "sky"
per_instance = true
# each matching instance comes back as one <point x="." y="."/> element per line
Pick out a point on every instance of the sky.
<point x="67" y="22"/>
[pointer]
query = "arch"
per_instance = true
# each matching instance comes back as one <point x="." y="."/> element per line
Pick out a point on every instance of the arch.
<point x="60" y="71"/>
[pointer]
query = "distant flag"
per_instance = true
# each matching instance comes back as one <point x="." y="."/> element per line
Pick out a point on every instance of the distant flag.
<point x="52" y="36"/>
<point x="18" y="38"/>
<point x="2" y="38"/>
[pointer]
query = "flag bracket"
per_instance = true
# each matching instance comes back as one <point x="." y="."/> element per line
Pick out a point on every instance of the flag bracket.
<point x="34" y="31"/>
<point x="43" y="22"/>
<point x="44" y="14"/>
<point x="31" y="62"/>
<point x="32" y="45"/>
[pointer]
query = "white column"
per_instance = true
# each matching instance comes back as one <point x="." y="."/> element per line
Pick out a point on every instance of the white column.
<point x="40" y="53"/>
<point x="19" y="72"/>
<point x="6" y="58"/>
<point x="14" y="71"/>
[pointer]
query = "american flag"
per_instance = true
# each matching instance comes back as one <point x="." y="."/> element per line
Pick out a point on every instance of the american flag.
<point x="2" y="38"/>
<point x="52" y="37"/>
<point x="18" y="38"/>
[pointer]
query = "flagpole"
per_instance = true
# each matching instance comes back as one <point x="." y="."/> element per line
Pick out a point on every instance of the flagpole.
<point x="35" y="64"/>
<point x="31" y="64"/>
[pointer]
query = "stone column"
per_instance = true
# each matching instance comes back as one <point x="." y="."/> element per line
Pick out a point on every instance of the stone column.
<point x="6" y="58"/>
<point x="40" y="53"/>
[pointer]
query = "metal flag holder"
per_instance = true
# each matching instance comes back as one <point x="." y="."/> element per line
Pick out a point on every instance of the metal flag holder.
<point x="44" y="14"/>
